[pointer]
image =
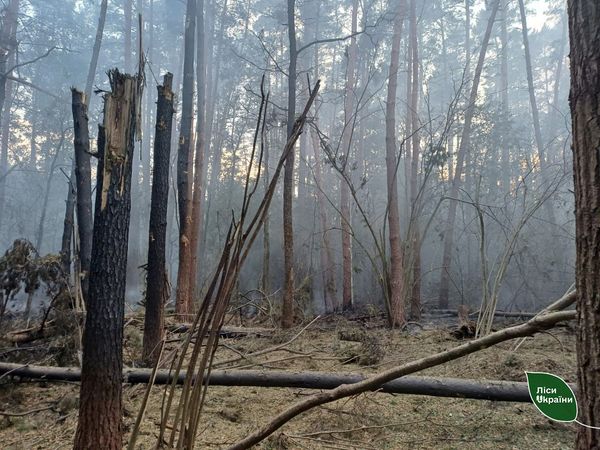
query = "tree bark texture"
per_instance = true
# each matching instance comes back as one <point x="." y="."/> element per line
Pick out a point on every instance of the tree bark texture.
<point x="68" y="223"/>
<point x="584" y="99"/>
<point x="83" y="175"/>
<point x="501" y="391"/>
<point x="200" y="151"/>
<point x="415" y="231"/>
<point x="183" y="304"/>
<point x="100" y="406"/>
<point x="156" y="285"/>
<point x="396" y="295"/>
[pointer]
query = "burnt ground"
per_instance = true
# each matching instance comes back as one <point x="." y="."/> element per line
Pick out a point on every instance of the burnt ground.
<point x="369" y="421"/>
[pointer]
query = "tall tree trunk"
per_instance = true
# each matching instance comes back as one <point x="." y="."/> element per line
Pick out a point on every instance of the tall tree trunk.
<point x="287" y="310"/>
<point x="458" y="171"/>
<point x="584" y="27"/>
<point x="415" y="232"/>
<point x="156" y="285"/>
<point x="265" y="283"/>
<point x="505" y="156"/>
<point x="539" y="143"/>
<point x="83" y="175"/>
<point x="100" y="406"/>
<point x="396" y="289"/>
<point x="346" y="150"/>
<point x="183" y="303"/>
<point x="199" y="169"/>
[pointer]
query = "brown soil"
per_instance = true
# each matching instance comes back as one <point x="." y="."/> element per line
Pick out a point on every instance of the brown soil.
<point x="369" y="421"/>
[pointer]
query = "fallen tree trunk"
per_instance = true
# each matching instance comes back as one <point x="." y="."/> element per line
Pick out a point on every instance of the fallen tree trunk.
<point x="535" y="325"/>
<point x="504" y="391"/>
<point x="227" y="331"/>
<point x="454" y="312"/>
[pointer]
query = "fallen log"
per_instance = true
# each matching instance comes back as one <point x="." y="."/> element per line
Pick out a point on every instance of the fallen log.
<point x="509" y="314"/>
<point x="539" y="323"/>
<point x="227" y="331"/>
<point x="503" y="391"/>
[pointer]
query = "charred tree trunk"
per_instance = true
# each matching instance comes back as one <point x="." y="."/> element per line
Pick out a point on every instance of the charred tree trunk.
<point x="71" y="193"/>
<point x="458" y="172"/>
<point x="83" y="175"/>
<point x="183" y="303"/>
<point x="584" y="27"/>
<point x="157" y="286"/>
<point x="100" y="408"/>
<point x="67" y="235"/>
<point x="287" y="310"/>
<point x="396" y="288"/>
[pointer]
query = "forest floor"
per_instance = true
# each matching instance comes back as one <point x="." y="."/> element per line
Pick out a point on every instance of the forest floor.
<point x="370" y="421"/>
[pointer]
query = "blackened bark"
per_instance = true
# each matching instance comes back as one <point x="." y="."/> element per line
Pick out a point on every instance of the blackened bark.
<point x="584" y="98"/>
<point x="156" y="285"/>
<point x="83" y="175"/>
<point x="67" y="236"/>
<point x="100" y="407"/>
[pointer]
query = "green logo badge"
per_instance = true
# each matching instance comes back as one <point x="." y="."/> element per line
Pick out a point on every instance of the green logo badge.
<point x="552" y="396"/>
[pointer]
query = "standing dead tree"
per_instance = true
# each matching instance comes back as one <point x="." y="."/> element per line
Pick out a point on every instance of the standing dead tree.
<point x="67" y="235"/>
<point x="100" y="408"/>
<point x="157" y="290"/>
<point x="83" y="176"/>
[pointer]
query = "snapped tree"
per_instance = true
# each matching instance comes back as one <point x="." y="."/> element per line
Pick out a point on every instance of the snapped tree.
<point x="100" y="406"/>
